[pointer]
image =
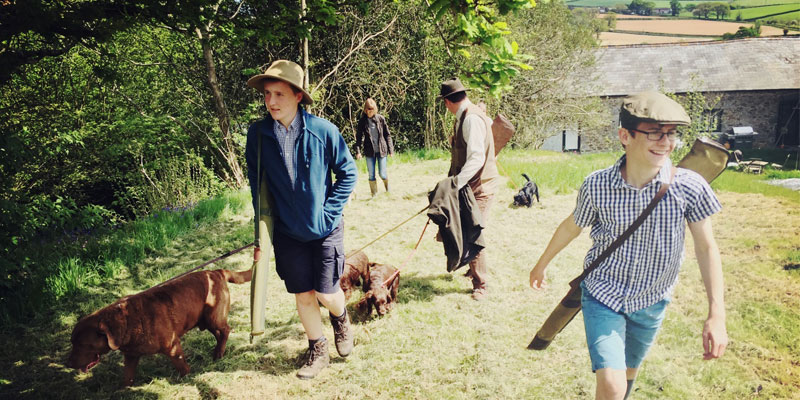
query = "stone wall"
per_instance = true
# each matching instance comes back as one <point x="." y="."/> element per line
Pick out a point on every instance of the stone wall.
<point x="758" y="109"/>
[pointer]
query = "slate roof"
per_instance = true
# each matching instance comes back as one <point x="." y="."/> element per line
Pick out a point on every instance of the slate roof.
<point x="734" y="65"/>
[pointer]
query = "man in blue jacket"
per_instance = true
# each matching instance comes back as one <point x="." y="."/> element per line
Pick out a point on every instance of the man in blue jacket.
<point x="299" y="151"/>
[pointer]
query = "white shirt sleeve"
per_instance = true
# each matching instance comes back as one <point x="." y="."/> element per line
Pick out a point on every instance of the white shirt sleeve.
<point x="474" y="131"/>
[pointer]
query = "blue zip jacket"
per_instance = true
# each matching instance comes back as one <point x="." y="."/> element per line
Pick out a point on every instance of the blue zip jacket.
<point x="312" y="208"/>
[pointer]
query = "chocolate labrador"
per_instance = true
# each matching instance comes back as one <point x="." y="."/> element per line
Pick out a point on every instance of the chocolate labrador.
<point x="381" y="297"/>
<point x="154" y="320"/>
<point x="356" y="273"/>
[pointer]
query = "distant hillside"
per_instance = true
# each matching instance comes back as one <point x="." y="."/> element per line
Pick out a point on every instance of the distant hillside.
<point x="665" y="3"/>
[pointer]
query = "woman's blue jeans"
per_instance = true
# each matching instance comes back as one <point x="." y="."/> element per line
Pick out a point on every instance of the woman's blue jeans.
<point x="381" y="167"/>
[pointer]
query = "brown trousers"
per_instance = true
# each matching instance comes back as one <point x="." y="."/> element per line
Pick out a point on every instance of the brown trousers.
<point x="479" y="266"/>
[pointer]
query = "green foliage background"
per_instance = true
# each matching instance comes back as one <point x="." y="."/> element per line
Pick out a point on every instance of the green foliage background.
<point x="111" y="111"/>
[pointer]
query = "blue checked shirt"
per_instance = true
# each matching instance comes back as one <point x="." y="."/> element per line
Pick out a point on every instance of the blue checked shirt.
<point x="644" y="269"/>
<point x="286" y="139"/>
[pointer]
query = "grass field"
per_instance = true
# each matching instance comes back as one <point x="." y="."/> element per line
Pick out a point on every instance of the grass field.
<point x="758" y="12"/>
<point x="665" y="3"/>
<point x="438" y="343"/>
<point x="760" y="3"/>
<point x="617" y="39"/>
<point x="612" y="3"/>
<point x="793" y="16"/>
<point x="690" y="27"/>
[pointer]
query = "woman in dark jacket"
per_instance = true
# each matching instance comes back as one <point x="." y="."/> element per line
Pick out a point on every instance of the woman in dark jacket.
<point x="377" y="143"/>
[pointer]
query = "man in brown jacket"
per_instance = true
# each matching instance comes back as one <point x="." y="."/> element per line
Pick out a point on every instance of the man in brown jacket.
<point x="472" y="163"/>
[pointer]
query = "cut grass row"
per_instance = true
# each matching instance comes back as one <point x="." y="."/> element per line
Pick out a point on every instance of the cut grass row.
<point x="761" y="12"/>
<point x="437" y="343"/>
<point x="64" y="269"/>
<point x="786" y="17"/>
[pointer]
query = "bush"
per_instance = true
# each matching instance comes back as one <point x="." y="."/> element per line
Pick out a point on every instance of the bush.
<point x="61" y="262"/>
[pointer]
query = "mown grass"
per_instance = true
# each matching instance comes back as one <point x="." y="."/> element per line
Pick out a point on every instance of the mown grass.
<point x="612" y="3"/>
<point x="761" y="3"/>
<point x="758" y="12"/>
<point x="742" y="182"/>
<point x="438" y="343"/>
<point x="788" y="17"/>
<point x="554" y="173"/>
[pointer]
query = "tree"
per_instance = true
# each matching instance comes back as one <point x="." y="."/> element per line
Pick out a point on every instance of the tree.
<point x="721" y="10"/>
<point x="745" y="32"/>
<point x="611" y="20"/>
<point x="690" y="7"/>
<point x="675" y="7"/>
<point x="481" y="26"/>
<point x="703" y="10"/>
<point x="554" y="92"/>
<point x="393" y="54"/>
<point x="33" y="30"/>
<point x="620" y="8"/>
<point x="697" y="105"/>
<point x="641" y="7"/>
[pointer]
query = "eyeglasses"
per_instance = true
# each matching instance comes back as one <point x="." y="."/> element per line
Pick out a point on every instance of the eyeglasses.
<point x="658" y="135"/>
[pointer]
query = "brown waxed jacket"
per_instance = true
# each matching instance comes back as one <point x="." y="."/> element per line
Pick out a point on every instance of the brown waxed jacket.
<point x="384" y="140"/>
<point x="460" y="222"/>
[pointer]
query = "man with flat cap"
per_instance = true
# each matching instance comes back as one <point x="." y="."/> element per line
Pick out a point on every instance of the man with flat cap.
<point x="472" y="163"/>
<point x="625" y="297"/>
<point x="298" y="154"/>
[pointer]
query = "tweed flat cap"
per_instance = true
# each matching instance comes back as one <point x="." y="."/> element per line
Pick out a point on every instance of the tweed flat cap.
<point x="652" y="106"/>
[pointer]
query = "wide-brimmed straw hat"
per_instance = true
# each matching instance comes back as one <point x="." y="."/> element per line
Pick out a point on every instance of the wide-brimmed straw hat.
<point x="652" y="106"/>
<point x="283" y="70"/>
<point x="451" y="86"/>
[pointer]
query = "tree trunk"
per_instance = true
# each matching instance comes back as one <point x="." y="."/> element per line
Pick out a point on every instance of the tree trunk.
<point x="227" y="148"/>
<point x="304" y="49"/>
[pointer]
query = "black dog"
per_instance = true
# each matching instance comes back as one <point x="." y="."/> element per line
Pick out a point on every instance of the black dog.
<point x="526" y="193"/>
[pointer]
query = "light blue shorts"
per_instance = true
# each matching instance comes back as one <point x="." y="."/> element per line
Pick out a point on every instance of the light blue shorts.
<point x="619" y="340"/>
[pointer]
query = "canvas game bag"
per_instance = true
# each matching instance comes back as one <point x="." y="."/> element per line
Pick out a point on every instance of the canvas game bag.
<point x="707" y="157"/>
<point x="502" y="130"/>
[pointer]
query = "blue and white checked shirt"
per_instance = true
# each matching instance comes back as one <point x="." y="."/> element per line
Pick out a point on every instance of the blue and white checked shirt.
<point x="287" y="138"/>
<point x="644" y="269"/>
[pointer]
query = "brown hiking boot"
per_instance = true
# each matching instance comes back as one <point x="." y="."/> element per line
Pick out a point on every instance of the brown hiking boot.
<point x="478" y="294"/>
<point x="342" y="333"/>
<point x="315" y="359"/>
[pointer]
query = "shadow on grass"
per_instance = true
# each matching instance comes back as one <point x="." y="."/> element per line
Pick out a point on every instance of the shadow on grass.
<point x="425" y="288"/>
<point x="32" y="364"/>
<point x="33" y="375"/>
<point x="186" y="252"/>
<point x="37" y="371"/>
<point x="413" y="288"/>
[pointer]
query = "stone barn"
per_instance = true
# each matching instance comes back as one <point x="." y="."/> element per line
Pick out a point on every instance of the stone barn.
<point x="757" y="82"/>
